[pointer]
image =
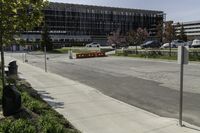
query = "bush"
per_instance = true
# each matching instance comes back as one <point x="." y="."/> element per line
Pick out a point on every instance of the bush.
<point x="194" y="56"/>
<point x="49" y="124"/>
<point x="32" y="104"/>
<point x="17" y="126"/>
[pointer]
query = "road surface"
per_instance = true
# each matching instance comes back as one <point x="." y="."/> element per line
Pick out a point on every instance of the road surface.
<point x="147" y="84"/>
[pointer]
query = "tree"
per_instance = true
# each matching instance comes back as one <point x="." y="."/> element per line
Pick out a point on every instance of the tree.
<point x="135" y="38"/>
<point x="46" y="39"/>
<point x="182" y="35"/>
<point x="169" y="34"/>
<point x="132" y="38"/>
<point x="159" y="33"/>
<point x="116" y="39"/>
<point x="17" y="16"/>
<point x="142" y="35"/>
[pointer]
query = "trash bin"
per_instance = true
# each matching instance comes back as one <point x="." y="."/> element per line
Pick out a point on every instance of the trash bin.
<point x="12" y="68"/>
<point x="11" y="100"/>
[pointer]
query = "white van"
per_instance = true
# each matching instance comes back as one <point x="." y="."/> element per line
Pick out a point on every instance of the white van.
<point x="196" y="43"/>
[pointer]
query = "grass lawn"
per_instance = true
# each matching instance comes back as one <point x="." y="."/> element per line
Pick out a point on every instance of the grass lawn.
<point x="147" y="56"/>
<point x="38" y="116"/>
<point x="194" y="57"/>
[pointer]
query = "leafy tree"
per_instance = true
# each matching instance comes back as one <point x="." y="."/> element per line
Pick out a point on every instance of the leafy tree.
<point x="169" y="34"/>
<point x="132" y="38"/>
<point x="135" y="38"/>
<point x="17" y="16"/>
<point x="182" y="35"/>
<point x="142" y="35"/>
<point x="159" y="33"/>
<point x="116" y="39"/>
<point x="46" y="39"/>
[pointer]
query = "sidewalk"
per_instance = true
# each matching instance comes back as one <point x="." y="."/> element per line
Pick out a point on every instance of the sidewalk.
<point x="90" y="111"/>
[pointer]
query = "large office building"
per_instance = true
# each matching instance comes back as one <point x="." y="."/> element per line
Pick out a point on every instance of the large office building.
<point x="74" y="24"/>
<point x="191" y="29"/>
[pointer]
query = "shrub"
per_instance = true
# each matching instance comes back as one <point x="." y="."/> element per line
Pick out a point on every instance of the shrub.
<point x="17" y="126"/>
<point x="33" y="104"/>
<point x="49" y="124"/>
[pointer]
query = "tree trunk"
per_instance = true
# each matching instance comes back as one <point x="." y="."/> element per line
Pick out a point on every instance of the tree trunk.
<point x="136" y="51"/>
<point x="2" y="50"/>
<point x="170" y="49"/>
<point x="2" y="63"/>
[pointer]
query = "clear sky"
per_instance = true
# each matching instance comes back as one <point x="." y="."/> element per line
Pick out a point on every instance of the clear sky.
<point x="177" y="10"/>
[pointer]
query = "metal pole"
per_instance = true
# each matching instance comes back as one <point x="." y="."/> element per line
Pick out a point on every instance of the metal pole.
<point x="181" y="87"/>
<point x="45" y="58"/>
<point x="23" y="57"/>
<point x="2" y="50"/>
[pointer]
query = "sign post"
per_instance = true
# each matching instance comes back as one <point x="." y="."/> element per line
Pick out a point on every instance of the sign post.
<point x="70" y="54"/>
<point x="182" y="59"/>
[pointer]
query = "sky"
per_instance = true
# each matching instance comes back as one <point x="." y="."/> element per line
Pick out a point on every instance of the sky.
<point x="176" y="10"/>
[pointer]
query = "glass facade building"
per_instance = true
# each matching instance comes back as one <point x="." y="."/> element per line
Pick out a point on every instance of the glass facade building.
<point x="72" y="23"/>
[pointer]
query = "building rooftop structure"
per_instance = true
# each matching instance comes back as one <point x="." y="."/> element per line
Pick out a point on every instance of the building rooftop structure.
<point x="63" y="6"/>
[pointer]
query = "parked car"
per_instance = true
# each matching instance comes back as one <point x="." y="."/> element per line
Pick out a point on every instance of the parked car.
<point x="177" y="43"/>
<point x="93" y="44"/>
<point x="166" y="45"/>
<point x="151" y="44"/>
<point x="189" y="44"/>
<point x="113" y="45"/>
<point x="196" y="43"/>
<point x="119" y="46"/>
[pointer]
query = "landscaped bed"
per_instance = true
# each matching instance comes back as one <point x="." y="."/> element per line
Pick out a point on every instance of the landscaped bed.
<point x="36" y="115"/>
<point x="158" y="54"/>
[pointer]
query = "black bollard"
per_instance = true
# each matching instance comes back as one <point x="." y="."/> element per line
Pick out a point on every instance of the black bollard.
<point x="12" y="68"/>
<point x="11" y="100"/>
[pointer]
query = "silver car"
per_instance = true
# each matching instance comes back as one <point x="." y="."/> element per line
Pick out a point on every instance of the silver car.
<point x="93" y="44"/>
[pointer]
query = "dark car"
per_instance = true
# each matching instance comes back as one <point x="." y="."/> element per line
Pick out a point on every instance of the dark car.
<point x="151" y="44"/>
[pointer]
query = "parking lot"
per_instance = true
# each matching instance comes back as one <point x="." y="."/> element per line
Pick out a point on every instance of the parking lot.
<point x="148" y="84"/>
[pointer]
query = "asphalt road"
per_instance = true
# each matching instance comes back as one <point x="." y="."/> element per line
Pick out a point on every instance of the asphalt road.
<point x="150" y="85"/>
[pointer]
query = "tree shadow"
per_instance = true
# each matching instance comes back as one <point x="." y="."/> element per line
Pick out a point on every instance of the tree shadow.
<point x="43" y="92"/>
<point x="55" y="104"/>
<point x="50" y="100"/>
<point x="43" y="96"/>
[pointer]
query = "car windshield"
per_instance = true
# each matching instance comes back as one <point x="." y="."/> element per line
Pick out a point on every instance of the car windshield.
<point x="149" y="42"/>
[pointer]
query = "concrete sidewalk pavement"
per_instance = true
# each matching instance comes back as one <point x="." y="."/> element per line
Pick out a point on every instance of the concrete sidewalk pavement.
<point x="90" y="111"/>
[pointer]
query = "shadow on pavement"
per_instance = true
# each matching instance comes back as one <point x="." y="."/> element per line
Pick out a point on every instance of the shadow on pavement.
<point x="55" y="104"/>
<point x="50" y="100"/>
